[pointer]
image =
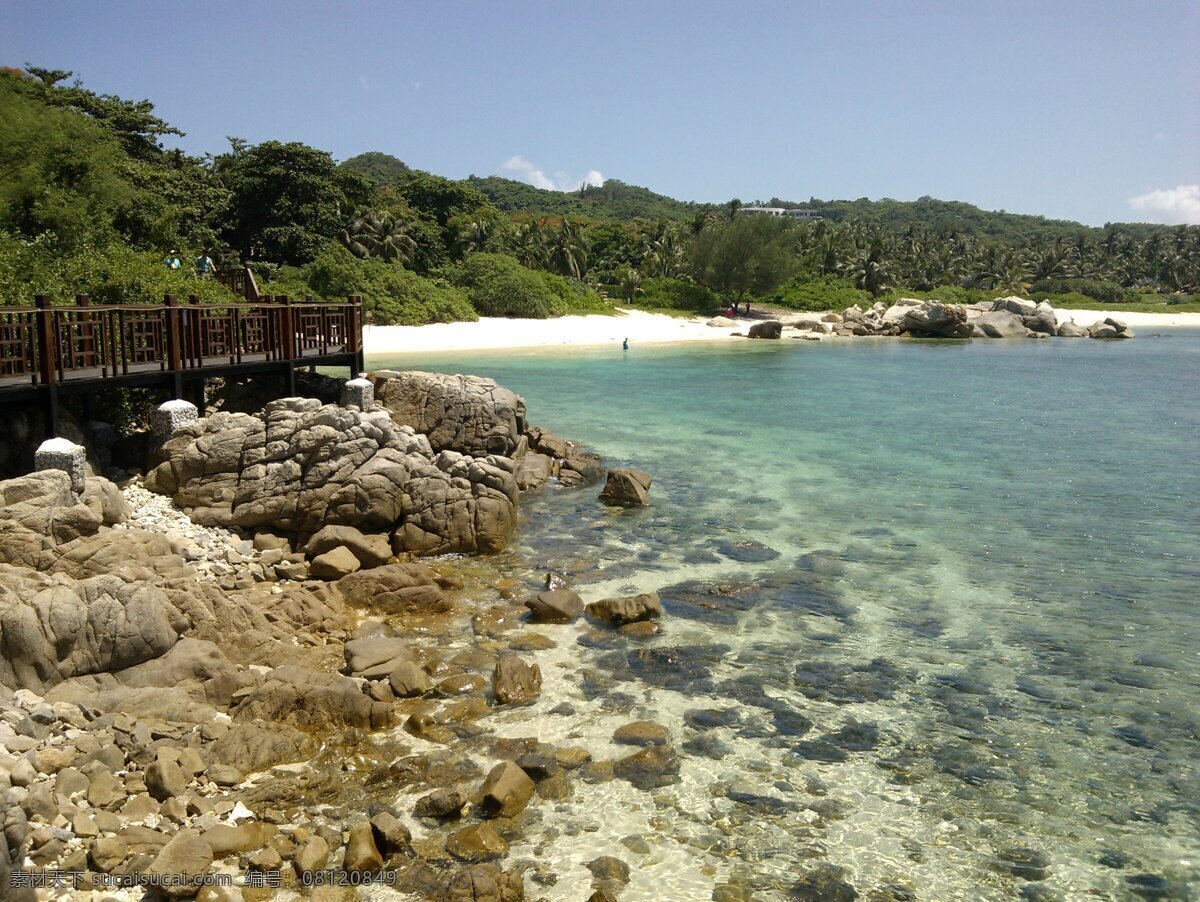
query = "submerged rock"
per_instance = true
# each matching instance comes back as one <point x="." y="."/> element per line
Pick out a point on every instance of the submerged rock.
<point x="621" y="611"/>
<point x="627" y="488"/>
<point x="559" y="605"/>
<point x="652" y="767"/>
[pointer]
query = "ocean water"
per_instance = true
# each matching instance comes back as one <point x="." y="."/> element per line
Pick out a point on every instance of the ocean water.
<point x="932" y="616"/>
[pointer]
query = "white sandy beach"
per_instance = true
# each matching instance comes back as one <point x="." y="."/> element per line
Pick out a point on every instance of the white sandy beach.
<point x="491" y="332"/>
<point x="1150" y="321"/>
<point x="639" y="327"/>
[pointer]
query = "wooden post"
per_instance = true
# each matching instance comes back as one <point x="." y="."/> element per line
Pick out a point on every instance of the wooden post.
<point x="289" y="344"/>
<point x="47" y="364"/>
<point x="83" y="352"/>
<point x="174" y="364"/>
<point x="354" y="336"/>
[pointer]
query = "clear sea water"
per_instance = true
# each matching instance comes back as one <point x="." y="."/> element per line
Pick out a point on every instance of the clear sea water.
<point x="933" y="615"/>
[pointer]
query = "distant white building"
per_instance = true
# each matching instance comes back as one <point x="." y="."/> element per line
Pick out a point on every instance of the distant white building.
<point x="784" y="212"/>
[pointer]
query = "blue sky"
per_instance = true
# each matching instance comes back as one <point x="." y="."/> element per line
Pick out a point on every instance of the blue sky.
<point x="1066" y="109"/>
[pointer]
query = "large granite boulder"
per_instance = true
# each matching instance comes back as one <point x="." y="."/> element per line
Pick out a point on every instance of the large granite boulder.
<point x="54" y="627"/>
<point x="468" y="414"/>
<point x="937" y="320"/>
<point x="1043" y="319"/>
<point x="312" y="699"/>
<point x="299" y="466"/>
<point x="998" y="324"/>
<point x="1110" y="328"/>
<point x="769" y="329"/>
<point x="1072" y="329"/>
<point x="404" y="588"/>
<point x="39" y="512"/>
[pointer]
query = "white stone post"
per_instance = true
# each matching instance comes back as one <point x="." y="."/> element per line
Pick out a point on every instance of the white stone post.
<point x="61" y="454"/>
<point x="168" y="417"/>
<point x="358" y="393"/>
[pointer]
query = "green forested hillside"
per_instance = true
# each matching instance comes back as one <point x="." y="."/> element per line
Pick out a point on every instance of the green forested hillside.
<point x="90" y="201"/>
<point x="381" y="168"/>
<point x="612" y="200"/>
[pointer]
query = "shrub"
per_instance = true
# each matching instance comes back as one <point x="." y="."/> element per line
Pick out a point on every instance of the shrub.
<point x="497" y="285"/>
<point x="392" y="295"/>
<point x="818" y="293"/>
<point x="1094" y="289"/>
<point x="678" y="294"/>
<point x="110" y="273"/>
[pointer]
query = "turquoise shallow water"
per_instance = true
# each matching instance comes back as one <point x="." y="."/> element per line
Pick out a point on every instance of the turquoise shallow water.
<point x="936" y="602"/>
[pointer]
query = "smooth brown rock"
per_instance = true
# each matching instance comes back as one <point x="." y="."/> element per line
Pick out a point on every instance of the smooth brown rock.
<point x="626" y="488"/>
<point x="362" y="857"/>
<point x="642" y="732"/>
<point x="554" y="606"/>
<point x="479" y="842"/>
<point x="651" y="768"/>
<point x="506" y="791"/>
<point x="632" y="609"/>
<point x="440" y="803"/>
<point x="334" y="564"/>
<point x="391" y="836"/>
<point x="312" y="857"/>
<point x="181" y="864"/>
<point x="106" y="852"/>
<point x="515" y="682"/>
<point x="165" y="779"/>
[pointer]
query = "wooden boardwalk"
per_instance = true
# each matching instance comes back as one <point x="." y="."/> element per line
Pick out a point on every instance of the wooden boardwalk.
<point x="49" y="349"/>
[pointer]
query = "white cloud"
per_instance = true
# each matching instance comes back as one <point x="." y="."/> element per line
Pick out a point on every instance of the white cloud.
<point x="1171" y="205"/>
<point x="527" y="171"/>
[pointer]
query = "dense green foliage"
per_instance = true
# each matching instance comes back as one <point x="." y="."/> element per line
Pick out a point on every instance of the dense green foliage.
<point x="612" y="200"/>
<point x="380" y="168"/>
<point x="678" y="294"/>
<point x="91" y="201"/>
<point x="111" y="273"/>
<point x="287" y="200"/>
<point x="392" y="295"/>
<point x="497" y="285"/>
<point x="819" y="293"/>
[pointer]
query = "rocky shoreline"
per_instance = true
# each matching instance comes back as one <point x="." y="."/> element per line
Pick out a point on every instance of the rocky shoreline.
<point x="268" y="666"/>
<point x="1011" y="317"/>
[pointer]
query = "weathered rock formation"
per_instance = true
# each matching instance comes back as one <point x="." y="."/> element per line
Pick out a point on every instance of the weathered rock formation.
<point x="468" y="414"/>
<point x="1010" y="317"/>
<point x="627" y="488"/>
<point x="299" y="466"/>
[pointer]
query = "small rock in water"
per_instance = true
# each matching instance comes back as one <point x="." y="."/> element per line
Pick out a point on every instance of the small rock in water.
<point x="651" y="768"/>
<point x="642" y="732"/>
<point x="479" y="842"/>
<point x="824" y="883"/>
<point x="1027" y="864"/>
<point x="747" y="552"/>
<point x="441" y="803"/>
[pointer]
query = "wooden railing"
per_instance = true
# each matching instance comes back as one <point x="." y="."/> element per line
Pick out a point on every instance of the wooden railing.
<point x="50" y="344"/>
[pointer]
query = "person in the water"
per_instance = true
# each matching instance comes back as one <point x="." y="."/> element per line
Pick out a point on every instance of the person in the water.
<point x="625" y="345"/>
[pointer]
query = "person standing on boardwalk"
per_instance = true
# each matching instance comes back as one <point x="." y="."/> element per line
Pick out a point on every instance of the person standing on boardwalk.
<point x="204" y="265"/>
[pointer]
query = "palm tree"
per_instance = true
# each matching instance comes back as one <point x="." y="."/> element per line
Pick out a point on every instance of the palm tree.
<point x="380" y="234"/>
<point x="869" y="269"/>
<point x="568" y="251"/>
<point x="531" y="244"/>
<point x="629" y="283"/>
<point x="473" y="236"/>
